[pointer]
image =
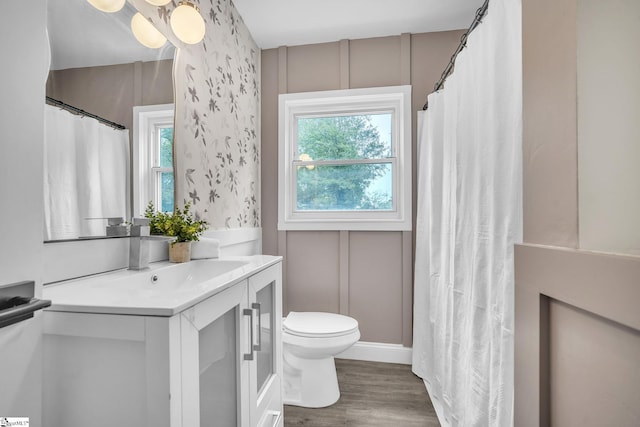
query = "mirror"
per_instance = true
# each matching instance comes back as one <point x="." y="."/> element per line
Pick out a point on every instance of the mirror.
<point x="97" y="66"/>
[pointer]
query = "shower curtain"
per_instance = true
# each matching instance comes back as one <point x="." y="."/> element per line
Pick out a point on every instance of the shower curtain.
<point x="469" y="217"/>
<point x="86" y="165"/>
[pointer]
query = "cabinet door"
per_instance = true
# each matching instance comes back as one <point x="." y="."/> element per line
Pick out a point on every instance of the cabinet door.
<point x="215" y="339"/>
<point x="265" y="298"/>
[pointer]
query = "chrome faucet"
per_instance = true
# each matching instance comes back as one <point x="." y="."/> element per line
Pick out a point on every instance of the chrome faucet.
<point x="139" y="244"/>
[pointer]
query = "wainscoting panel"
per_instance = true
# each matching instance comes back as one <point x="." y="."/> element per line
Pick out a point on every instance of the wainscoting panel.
<point x="375" y="284"/>
<point x="594" y="369"/>
<point x="577" y="338"/>
<point x="313" y="273"/>
<point x="359" y="274"/>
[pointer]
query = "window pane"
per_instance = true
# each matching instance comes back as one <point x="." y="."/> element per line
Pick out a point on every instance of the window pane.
<point x="345" y="187"/>
<point x="344" y="137"/>
<point x="166" y="147"/>
<point x="166" y="191"/>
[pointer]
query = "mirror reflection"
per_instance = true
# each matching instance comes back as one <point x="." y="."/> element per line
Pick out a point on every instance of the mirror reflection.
<point x="100" y="72"/>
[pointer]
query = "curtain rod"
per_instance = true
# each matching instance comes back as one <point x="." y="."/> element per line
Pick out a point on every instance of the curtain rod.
<point x="480" y="13"/>
<point x="74" y="110"/>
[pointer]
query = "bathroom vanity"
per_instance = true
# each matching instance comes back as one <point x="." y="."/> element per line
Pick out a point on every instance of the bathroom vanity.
<point x="177" y="345"/>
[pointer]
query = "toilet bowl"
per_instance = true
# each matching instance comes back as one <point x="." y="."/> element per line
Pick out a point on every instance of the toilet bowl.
<point x="310" y="340"/>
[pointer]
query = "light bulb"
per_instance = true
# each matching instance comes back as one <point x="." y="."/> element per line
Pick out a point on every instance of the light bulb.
<point x="107" y="5"/>
<point x="146" y="33"/>
<point x="187" y="23"/>
<point x="158" y="2"/>
<point x="306" y="158"/>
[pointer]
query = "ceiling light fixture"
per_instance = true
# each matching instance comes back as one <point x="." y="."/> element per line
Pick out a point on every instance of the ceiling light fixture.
<point x="187" y="23"/>
<point x="146" y="33"/>
<point x="158" y="2"/>
<point x="109" y="6"/>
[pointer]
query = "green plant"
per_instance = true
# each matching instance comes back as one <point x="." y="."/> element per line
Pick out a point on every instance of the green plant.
<point x="179" y="224"/>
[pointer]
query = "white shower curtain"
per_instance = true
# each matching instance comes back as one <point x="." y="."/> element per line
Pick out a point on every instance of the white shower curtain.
<point x="86" y="165"/>
<point x="469" y="217"/>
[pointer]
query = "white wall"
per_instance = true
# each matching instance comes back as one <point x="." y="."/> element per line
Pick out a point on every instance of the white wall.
<point x="22" y="88"/>
<point x="609" y="124"/>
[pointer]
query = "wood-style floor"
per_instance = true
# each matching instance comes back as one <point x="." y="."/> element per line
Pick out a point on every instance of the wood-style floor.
<point x="372" y="394"/>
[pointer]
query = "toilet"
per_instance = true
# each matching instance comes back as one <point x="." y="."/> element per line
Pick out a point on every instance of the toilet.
<point x="310" y="341"/>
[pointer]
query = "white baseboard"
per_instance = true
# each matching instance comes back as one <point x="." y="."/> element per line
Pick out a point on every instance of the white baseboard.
<point x="378" y="352"/>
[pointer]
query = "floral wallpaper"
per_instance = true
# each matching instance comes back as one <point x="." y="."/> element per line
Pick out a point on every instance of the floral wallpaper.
<point x="217" y="119"/>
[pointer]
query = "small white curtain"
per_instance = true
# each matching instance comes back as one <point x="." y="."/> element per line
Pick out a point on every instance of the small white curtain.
<point x="469" y="218"/>
<point x="86" y="165"/>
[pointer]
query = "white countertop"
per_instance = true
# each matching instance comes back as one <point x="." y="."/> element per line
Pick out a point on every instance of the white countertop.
<point x="178" y="286"/>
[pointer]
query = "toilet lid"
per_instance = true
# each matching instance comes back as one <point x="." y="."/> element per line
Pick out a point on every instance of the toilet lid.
<point x="310" y="324"/>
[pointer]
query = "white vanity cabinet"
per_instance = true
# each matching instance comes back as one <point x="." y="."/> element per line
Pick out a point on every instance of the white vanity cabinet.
<point x="232" y="363"/>
<point x="215" y="363"/>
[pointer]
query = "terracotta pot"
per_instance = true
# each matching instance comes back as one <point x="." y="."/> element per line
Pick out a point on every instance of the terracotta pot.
<point x="180" y="252"/>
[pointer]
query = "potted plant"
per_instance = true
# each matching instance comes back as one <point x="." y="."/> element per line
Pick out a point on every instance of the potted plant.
<point x="180" y="225"/>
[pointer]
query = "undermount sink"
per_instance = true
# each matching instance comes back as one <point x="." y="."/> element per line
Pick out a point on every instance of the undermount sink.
<point x="162" y="290"/>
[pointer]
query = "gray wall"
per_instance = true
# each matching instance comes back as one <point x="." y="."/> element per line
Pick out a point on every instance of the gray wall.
<point x="367" y="275"/>
<point x="577" y="324"/>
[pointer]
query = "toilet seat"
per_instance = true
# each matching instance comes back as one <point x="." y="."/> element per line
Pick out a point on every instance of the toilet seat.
<point x="319" y="325"/>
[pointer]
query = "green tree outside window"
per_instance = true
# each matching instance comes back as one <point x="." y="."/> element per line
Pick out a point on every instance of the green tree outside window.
<point x="166" y="161"/>
<point x="343" y="187"/>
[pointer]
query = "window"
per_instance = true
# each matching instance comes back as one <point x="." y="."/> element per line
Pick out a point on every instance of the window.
<point x="153" y="158"/>
<point x="345" y="160"/>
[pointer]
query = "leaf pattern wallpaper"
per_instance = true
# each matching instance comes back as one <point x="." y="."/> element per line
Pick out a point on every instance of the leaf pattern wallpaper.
<point x="217" y="119"/>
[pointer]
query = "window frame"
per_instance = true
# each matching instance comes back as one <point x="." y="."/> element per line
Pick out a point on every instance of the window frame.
<point x="392" y="99"/>
<point x="146" y="123"/>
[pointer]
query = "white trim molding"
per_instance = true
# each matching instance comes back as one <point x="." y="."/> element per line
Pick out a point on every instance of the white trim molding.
<point x="238" y="241"/>
<point x="145" y="119"/>
<point x="378" y="352"/>
<point x="393" y="100"/>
